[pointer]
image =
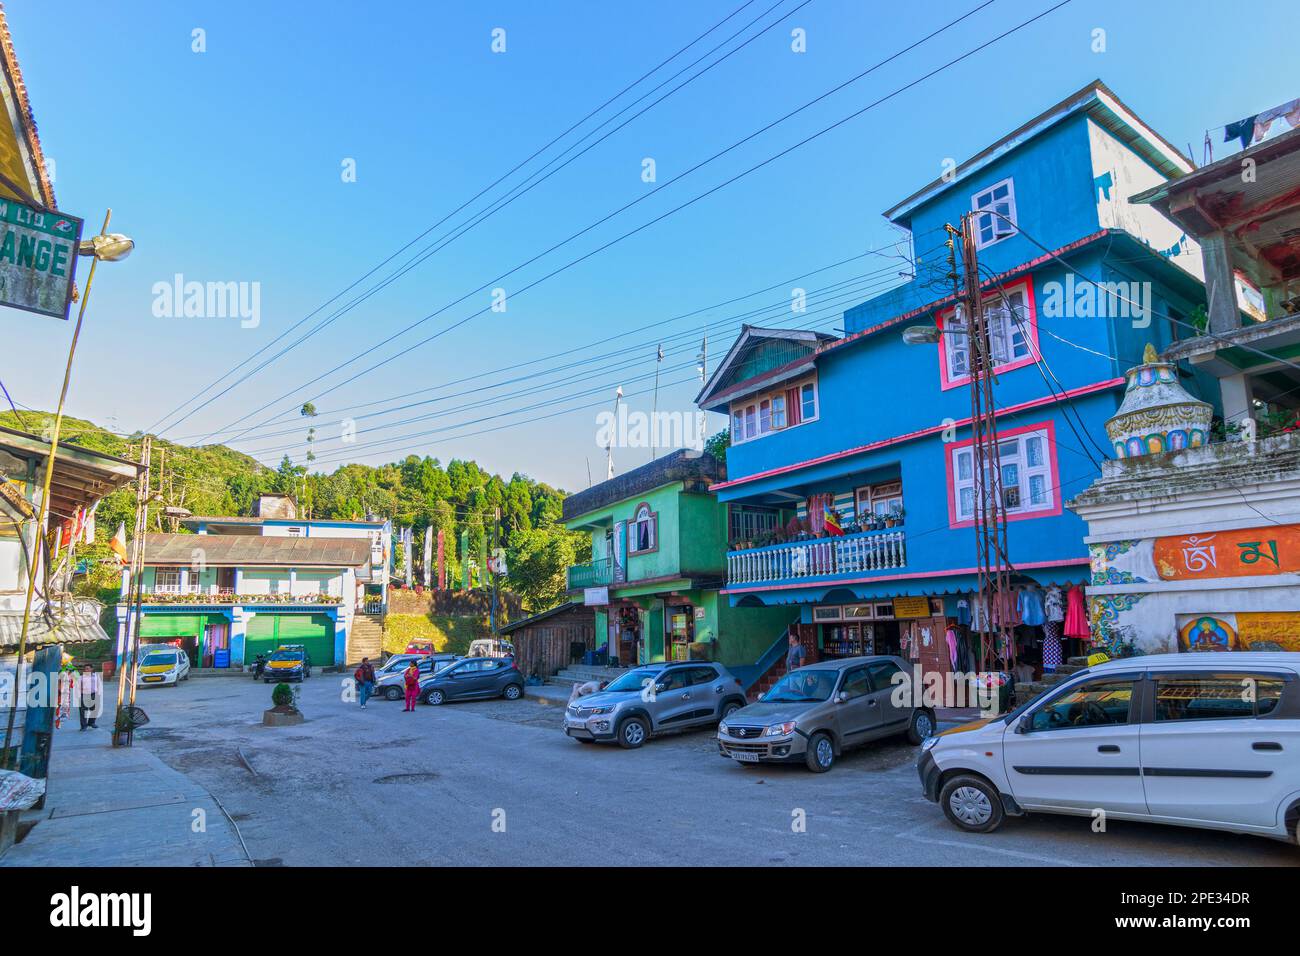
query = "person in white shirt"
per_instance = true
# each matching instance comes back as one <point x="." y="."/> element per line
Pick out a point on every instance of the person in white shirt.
<point x="90" y="685"/>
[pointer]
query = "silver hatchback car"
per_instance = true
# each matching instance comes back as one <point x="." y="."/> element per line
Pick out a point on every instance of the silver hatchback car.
<point x="655" y="699"/>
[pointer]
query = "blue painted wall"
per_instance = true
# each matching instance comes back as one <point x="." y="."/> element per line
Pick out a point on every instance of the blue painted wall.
<point x="876" y="388"/>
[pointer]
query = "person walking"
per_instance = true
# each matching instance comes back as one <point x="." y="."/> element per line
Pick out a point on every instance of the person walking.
<point x="365" y="678"/>
<point x="795" y="655"/>
<point x="411" y="678"/>
<point x="90" y="687"/>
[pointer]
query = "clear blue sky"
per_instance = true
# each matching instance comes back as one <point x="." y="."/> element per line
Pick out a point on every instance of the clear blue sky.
<point x="225" y="166"/>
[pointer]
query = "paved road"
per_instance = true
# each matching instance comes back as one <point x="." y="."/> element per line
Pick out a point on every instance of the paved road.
<point x="383" y="787"/>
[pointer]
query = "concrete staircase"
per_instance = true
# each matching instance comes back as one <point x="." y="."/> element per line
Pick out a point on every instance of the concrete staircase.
<point x="581" y="673"/>
<point x="1028" y="691"/>
<point x="366" y="638"/>
<point x="767" y="681"/>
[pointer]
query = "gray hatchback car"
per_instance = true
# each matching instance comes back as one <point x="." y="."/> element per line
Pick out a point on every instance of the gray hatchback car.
<point x="655" y="699"/>
<point x="816" y="712"/>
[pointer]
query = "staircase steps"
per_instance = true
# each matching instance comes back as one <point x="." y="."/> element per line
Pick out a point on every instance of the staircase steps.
<point x="1028" y="690"/>
<point x="366" y="638"/>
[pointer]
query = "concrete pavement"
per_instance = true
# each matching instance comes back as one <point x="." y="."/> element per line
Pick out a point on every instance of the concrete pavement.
<point x="498" y="783"/>
<point x="109" y="806"/>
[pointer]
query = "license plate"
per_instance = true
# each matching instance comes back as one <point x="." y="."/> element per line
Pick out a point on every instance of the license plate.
<point x="572" y="722"/>
<point x="745" y="757"/>
<point x="152" y="678"/>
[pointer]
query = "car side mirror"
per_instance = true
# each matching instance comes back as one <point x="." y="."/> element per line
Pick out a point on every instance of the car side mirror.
<point x="1024" y="724"/>
<point x="660" y="688"/>
<point x="841" y="698"/>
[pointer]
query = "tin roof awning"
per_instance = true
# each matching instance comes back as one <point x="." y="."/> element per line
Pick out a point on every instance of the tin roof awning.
<point x="250" y="551"/>
<point x="81" y="476"/>
<point x="77" y="625"/>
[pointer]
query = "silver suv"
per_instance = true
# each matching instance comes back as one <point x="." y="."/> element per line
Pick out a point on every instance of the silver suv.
<point x="816" y="712"/>
<point x="655" y="699"/>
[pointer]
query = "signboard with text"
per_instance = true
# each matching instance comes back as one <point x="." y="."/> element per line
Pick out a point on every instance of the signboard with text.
<point x="1247" y="552"/>
<point x="38" y="258"/>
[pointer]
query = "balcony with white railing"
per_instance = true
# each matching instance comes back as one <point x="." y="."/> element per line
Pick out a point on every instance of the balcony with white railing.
<point x="817" y="558"/>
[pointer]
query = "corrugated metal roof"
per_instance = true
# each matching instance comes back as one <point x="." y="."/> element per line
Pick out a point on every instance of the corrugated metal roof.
<point x="245" y="550"/>
<point x="77" y="626"/>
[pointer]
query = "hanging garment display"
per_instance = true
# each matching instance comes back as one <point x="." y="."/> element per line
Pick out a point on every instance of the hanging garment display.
<point x="963" y="611"/>
<point x="1288" y="111"/>
<point x="1005" y="609"/>
<point x="1031" y="607"/>
<point x="951" y="638"/>
<point x="1052" y="646"/>
<point x="1076" y="618"/>
<point x="1242" y="130"/>
<point x="1054" y="604"/>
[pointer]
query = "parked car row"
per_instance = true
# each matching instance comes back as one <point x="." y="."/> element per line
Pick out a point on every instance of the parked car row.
<point x="1202" y="740"/>
<point x="445" y="677"/>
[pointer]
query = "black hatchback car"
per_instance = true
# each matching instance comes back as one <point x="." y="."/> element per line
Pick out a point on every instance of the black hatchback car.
<point x="473" y="678"/>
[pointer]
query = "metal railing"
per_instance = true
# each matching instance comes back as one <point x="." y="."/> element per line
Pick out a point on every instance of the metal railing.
<point x="817" y="558"/>
<point x="590" y="575"/>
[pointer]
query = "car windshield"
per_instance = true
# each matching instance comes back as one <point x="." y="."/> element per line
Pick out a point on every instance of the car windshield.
<point x="286" y="656"/>
<point x="155" y="658"/>
<point x="632" y="680"/>
<point x="802" y="685"/>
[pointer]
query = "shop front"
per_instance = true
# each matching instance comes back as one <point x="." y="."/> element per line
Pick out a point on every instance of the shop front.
<point x="205" y="638"/>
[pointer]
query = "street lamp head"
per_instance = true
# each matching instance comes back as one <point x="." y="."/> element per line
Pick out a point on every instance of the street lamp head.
<point x="112" y="247"/>
<point x="921" y="334"/>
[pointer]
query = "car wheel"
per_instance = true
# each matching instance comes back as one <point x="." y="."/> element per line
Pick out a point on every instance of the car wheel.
<point x="821" y="753"/>
<point x="392" y="693"/>
<point x="971" y="804"/>
<point x="512" y="692"/>
<point x="728" y="709"/>
<point x="920" y="727"/>
<point x="435" y="697"/>
<point x="633" y="732"/>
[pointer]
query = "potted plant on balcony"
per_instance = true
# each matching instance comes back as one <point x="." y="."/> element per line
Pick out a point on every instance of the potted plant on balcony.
<point x="899" y="514"/>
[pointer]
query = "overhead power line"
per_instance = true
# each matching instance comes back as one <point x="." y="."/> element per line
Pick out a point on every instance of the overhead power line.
<point x="760" y="165"/>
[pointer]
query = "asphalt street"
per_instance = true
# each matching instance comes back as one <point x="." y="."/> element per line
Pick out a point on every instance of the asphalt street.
<point x="498" y="783"/>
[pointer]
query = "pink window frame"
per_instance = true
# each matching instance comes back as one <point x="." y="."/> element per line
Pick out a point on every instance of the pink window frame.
<point x="1054" y="470"/>
<point x="1031" y="319"/>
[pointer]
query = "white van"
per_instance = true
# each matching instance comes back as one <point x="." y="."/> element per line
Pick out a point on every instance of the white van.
<point x="1201" y="740"/>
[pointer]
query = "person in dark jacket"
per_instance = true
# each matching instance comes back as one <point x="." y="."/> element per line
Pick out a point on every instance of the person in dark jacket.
<point x="365" y="678"/>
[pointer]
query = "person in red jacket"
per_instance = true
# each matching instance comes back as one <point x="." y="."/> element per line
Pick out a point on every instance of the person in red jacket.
<point x="411" y="678"/>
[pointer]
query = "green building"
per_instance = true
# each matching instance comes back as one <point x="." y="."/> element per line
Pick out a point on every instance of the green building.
<point x="659" y="542"/>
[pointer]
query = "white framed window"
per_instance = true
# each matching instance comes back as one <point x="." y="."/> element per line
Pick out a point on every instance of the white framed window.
<point x="1025" y="464"/>
<point x="774" y="412"/>
<point x="807" y="401"/>
<point x="999" y="222"/>
<point x="642" y="530"/>
<point x="167" y="580"/>
<point x="1012" y="333"/>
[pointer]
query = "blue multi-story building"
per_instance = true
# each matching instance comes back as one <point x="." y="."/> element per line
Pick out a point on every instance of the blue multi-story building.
<point x="875" y="432"/>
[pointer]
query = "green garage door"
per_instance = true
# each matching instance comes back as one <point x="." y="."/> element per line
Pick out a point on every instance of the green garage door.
<point x="266" y="632"/>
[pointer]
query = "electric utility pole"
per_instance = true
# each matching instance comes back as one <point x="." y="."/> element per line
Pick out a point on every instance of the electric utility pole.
<point x="129" y="655"/>
<point x="993" y="567"/>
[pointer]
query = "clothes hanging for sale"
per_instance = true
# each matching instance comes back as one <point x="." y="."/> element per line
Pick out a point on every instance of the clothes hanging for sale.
<point x="1054" y="604"/>
<point x="1052" y="646"/>
<point x="1288" y="111"/>
<point x="1005" y="609"/>
<point x="1076" y="618"/>
<point x="1242" y="130"/>
<point x="1031" y="607"/>
<point x="951" y="638"/>
<point x="963" y="611"/>
<point x="979" y="618"/>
